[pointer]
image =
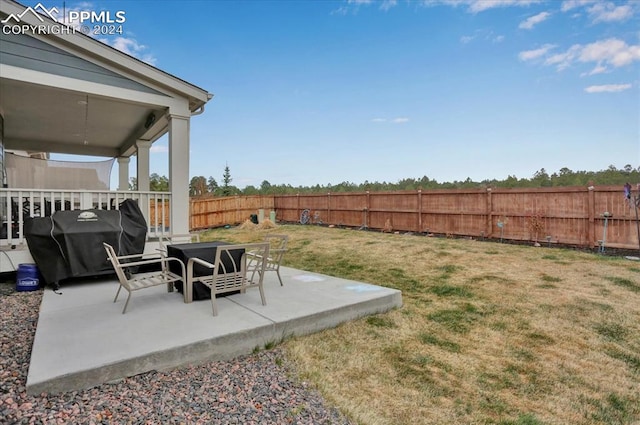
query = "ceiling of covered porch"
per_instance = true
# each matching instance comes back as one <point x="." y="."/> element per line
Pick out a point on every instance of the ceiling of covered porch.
<point x="47" y="119"/>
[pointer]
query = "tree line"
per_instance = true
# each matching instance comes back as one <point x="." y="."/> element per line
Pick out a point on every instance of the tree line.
<point x="202" y="186"/>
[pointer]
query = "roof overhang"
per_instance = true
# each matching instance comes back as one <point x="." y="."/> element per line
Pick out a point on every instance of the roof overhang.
<point x="53" y="112"/>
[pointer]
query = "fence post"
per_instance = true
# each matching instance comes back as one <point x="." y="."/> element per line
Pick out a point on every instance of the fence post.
<point x="298" y="206"/>
<point x="591" y="214"/>
<point x="328" y="207"/>
<point x="489" y="214"/>
<point x="367" y="213"/>
<point x="419" y="210"/>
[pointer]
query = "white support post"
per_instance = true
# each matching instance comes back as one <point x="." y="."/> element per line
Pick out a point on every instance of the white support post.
<point x="123" y="173"/>
<point x="179" y="172"/>
<point x="142" y="177"/>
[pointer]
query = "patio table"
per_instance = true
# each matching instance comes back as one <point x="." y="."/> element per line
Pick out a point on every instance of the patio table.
<point x="205" y="251"/>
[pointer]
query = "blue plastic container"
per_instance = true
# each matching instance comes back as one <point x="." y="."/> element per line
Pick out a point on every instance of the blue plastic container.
<point x="28" y="278"/>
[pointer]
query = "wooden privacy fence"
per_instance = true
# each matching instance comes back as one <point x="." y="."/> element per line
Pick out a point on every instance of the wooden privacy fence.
<point x="564" y="215"/>
<point x="559" y="215"/>
<point x="208" y="212"/>
<point x="159" y="213"/>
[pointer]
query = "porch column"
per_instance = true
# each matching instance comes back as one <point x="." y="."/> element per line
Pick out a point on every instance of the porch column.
<point x="143" y="147"/>
<point x="123" y="173"/>
<point x="179" y="172"/>
<point x="142" y="164"/>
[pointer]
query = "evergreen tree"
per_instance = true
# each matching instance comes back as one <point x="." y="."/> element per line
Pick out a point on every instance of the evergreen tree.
<point x="212" y="185"/>
<point x="226" y="179"/>
<point x="250" y="190"/>
<point x="265" y="187"/>
<point x="563" y="177"/>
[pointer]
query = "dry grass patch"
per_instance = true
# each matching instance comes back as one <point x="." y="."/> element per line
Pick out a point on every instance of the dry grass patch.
<point x="488" y="334"/>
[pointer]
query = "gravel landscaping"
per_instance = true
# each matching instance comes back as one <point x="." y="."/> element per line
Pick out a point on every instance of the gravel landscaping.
<point x="255" y="389"/>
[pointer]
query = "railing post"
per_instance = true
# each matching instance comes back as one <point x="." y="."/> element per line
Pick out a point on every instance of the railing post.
<point x="86" y="201"/>
<point x="145" y="206"/>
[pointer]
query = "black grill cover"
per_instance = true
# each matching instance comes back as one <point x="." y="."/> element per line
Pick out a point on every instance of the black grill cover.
<point x="134" y="228"/>
<point x="69" y="243"/>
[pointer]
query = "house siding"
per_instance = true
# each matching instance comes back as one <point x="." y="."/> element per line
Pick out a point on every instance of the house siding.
<point x="27" y="52"/>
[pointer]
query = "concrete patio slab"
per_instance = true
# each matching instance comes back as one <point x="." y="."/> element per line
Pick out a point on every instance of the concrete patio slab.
<point x="82" y="339"/>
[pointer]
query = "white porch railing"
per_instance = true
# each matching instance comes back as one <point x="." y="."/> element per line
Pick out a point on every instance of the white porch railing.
<point x="18" y="204"/>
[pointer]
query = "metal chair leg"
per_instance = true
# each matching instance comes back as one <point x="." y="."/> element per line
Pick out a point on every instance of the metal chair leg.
<point x="124" y="310"/>
<point x="117" y="293"/>
<point x="214" y="306"/>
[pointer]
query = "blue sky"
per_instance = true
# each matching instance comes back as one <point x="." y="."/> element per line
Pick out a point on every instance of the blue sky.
<point x="321" y="92"/>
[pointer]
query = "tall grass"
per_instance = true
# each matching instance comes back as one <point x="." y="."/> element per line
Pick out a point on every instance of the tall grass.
<point x="488" y="334"/>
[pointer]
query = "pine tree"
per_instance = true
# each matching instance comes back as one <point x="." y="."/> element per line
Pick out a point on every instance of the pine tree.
<point x="226" y="179"/>
<point x="212" y="185"/>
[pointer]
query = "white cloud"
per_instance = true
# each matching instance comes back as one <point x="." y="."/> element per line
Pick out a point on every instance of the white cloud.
<point x="564" y="60"/>
<point x="342" y="10"/>
<point x="482" y="34"/>
<point x="399" y="120"/>
<point x="159" y="149"/>
<point x="606" y="54"/>
<point x="467" y="39"/>
<point x="131" y="47"/>
<point x="532" y="21"/>
<point x="529" y="55"/>
<point x="601" y="11"/>
<point x="611" y="51"/>
<point x="599" y="69"/>
<point x="568" y="5"/>
<point x="608" y="88"/>
<point x="609" y="12"/>
<point x="475" y="6"/>
<point x="388" y="4"/>
<point x="353" y="6"/>
<point x="472" y="6"/>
